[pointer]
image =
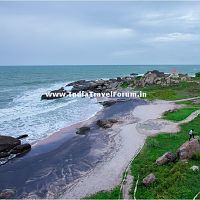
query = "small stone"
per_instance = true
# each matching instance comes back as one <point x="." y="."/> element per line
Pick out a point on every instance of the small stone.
<point x="83" y="130"/>
<point x="194" y="168"/>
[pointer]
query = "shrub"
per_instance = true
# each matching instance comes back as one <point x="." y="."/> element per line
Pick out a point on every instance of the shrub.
<point x="197" y="74"/>
<point x="196" y="156"/>
<point x="124" y="85"/>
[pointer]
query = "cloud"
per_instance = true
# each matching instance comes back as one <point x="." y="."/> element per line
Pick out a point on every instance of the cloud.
<point x="176" y="37"/>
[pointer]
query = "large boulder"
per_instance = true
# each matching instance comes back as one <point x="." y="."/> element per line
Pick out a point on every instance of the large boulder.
<point x="7" y="143"/>
<point x="83" y="130"/>
<point x="188" y="149"/>
<point x="55" y="94"/>
<point x="149" y="179"/>
<point x="20" y="149"/>
<point x="107" y="123"/>
<point x="166" y="158"/>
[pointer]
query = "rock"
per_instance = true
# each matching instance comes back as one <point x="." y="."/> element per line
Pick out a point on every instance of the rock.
<point x="106" y="123"/>
<point x="20" y="149"/>
<point x="83" y="130"/>
<point x="149" y="179"/>
<point x="80" y="82"/>
<point x="188" y="149"/>
<point x="194" y="168"/>
<point x="108" y="103"/>
<point x="166" y="158"/>
<point x="4" y="154"/>
<point x="7" y="143"/>
<point x="133" y="74"/>
<point x="22" y="136"/>
<point x="196" y="101"/>
<point x="7" y="194"/>
<point x="55" y="94"/>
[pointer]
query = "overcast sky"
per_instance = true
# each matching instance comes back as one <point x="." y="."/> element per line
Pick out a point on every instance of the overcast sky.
<point x="42" y="33"/>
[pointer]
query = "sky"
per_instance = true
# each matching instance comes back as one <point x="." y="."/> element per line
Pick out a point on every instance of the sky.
<point x="121" y="33"/>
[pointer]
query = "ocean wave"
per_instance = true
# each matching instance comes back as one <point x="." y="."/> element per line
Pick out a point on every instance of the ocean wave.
<point x="28" y="114"/>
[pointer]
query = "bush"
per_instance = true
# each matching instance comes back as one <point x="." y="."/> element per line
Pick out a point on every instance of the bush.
<point x="124" y="85"/>
<point x="196" y="156"/>
<point x="197" y="74"/>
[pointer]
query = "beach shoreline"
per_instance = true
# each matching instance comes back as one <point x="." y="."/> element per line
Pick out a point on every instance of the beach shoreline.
<point x="109" y="174"/>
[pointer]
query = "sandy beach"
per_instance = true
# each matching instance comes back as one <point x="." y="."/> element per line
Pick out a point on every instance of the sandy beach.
<point x="129" y="140"/>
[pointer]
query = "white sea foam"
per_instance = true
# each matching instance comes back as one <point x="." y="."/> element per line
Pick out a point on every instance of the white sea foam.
<point x="28" y="114"/>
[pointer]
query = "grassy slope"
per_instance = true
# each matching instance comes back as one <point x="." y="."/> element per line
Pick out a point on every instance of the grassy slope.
<point x="175" y="181"/>
<point x="181" y="91"/>
<point x="179" y="114"/>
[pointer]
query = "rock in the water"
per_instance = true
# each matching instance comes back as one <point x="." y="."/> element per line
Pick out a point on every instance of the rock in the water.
<point x="22" y="136"/>
<point x="55" y="94"/>
<point x="8" y="142"/>
<point x="149" y="179"/>
<point x="4" y="154"/>
<point x="188" y="149"/>
<point x="7" y="194"/>
<point x="83" y="130"/>
<point x="20" y="149"/>
<point x="107" y="123"/>
<point x="166" y="158"/>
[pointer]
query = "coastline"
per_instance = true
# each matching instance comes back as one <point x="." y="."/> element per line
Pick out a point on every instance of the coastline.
<point x="109" y="173"/>
<point x="55" y="164"/>
<point x="76" y="166"/>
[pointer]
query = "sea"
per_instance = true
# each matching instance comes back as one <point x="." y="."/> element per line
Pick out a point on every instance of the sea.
<point x="21" y="87"/>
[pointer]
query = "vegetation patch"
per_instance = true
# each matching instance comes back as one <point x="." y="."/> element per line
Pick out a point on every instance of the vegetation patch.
<point x="179" y="114"/>
<point x="180" y="91"/>
<point x="124" y="85"/>
<point x="174" y="180"/>
<point x="113" y="194"/>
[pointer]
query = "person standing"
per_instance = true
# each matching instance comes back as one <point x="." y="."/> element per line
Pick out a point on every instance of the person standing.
<point x="191" y="134"/>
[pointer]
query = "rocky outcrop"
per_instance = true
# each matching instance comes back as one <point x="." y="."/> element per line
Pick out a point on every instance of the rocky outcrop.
<point x="108" y="103"/>
<point x="7" y="143"/>
<point x="166" y="158"/>
<point x="107" y="123"/>
<point x="10" y="145"/>
<point x="83" y="130"/>
<point x="189" y="148"/>
<point x="149" y="179"/>
<point x="114" y="84"/>
<point x="21" y="149"/>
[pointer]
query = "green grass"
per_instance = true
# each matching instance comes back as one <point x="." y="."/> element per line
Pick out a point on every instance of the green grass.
<point x="180" y="91"/>
<point x="173" y="181"/>
<point x="124" y="85"/>
<point x="179" y="114"/>
<point x="113" y="194"/>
